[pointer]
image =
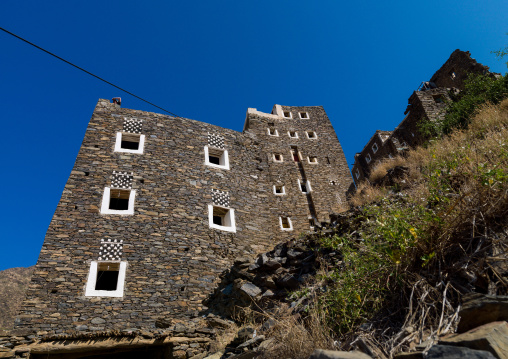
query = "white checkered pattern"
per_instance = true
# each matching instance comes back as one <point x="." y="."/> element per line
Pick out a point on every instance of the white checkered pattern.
<point x="132" y="125"/>
<point x="110" y="251"/>
<point x="215" y="141"/>
<point x="220" y="198"/>
<point x="122" y="180"/>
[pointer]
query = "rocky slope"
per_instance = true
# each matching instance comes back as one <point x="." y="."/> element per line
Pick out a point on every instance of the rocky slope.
<point x="13" y="284"/>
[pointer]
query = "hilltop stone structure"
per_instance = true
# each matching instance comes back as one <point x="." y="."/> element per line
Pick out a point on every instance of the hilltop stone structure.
<point x="428" y="102"/>
<point x="156" y="207"/>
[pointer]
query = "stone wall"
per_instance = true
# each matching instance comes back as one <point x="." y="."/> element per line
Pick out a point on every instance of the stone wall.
<point x="173" y="258"/>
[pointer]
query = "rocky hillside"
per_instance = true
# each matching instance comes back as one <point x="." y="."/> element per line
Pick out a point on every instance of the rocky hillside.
<point x="13" y="284"/>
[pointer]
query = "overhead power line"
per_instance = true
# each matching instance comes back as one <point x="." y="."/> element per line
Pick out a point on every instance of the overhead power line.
<point x="88" y="72"/>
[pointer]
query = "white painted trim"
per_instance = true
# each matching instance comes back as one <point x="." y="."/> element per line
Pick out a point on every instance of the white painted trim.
<point x="279" y="194"/>
<point x="374" y="150"/>
<point x="311" y="138"/>
<point x="290" y="224"/>
<point x="281" y="157"/>
<point x="290" y="114"/>
<point x="312" y="163"/>
<point x="303" y="118"/>
<point x="229" y="219"/>
<point x="90" y="290"/>
<point x="224" y="159"/>
<point x="269" y="134"/>
<point x="296" y="134"/>
<point x="118" y="144"/>
<point x="307" y="185"/>
<point x="105" y="203"/>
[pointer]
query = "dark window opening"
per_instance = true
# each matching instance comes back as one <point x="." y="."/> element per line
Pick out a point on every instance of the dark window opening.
<point x="313" y="159"/>
<point x="119" y="199"/>
<point x="303" y="187"/>
<point x="285" y="222"/>
<point x="87" y="173"/>
<point x="278" y="189"/>
<point x="142" y="181"/>
<point x="272" y="132"/>
<point x="311" y="222"/>
<point x="182" y="289"/>
<point x="292" y="134"/>
<point x="327" y="160"/>
<point x="219" y="215"/>
<point x="277" y="157"/>
<point x="304" y="115"/>
<point x="311" y="134"/>
<point x="214" y="159"/>
<point x="107" y="276"/>
<point x="130" y="141"/>
<point x="287" y="114"/>
<point x="438" y="98"/>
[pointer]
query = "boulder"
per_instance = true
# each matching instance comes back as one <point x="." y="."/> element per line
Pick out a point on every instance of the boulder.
<point x="492" y="337"/>
<point x="250" y="289"/>
<point x="332" y="354"/>
<point x="480" y="309"/>
<point x="453" y="352"/>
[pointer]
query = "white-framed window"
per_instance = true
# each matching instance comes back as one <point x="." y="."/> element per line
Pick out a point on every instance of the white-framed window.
<point x="277" y="157"/>
<point x="273" y="132"/>
<point x="106" y="279"/>
<point x="368" y="158"/>
<point x="287" y="114"/>
<point x="118" y="201"/>
<point x="222" y="218"/>
<point x="295" y="154"/>
<point x="285" y="223"/>
<point x="293" y="134"/>
<point x="357" y="173"/>
<point x="312" y="160"/>
<point x="304" y="186"/>
<point x="129" y="142"/>
<point x="374" y="148"/>
<point x="216" y="157"/>
<point x="279" y="190"/>
<point x="303" y="115"/>
<point x="311" y="135"/>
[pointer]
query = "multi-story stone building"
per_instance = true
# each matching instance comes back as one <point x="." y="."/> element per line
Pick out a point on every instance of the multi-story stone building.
<point x="428" y="102"/>
<point x="156" y="207"/>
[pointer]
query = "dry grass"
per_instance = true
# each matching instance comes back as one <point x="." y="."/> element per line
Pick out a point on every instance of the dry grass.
<point x="296" y="337"/>
<point x="384" y="166"/>
<point x="367" y="193"/>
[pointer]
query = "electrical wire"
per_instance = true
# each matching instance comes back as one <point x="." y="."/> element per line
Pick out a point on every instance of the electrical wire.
<point x="88" y="72"/>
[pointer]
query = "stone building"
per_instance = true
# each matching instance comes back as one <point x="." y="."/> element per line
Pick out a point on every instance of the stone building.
<point x="427" y="102"/>
<point x="156" y="207"/>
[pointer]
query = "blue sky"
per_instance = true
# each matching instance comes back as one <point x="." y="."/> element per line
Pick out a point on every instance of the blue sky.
<point x="210" y="61"/>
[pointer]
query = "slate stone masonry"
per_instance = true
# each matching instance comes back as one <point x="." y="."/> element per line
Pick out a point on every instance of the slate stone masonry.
<point x="173" y="257"/>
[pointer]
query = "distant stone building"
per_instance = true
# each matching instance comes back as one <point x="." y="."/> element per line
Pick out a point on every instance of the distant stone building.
<point x="427" y="102"/>
<point x="156" y="207"/>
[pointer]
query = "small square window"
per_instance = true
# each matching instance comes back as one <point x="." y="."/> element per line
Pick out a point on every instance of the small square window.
<point x="374" y="148"/>
<point x="222" y="218"/>
<point x="293" y="134"/>
<point x="118" y="201"/>
<point x="438" y="98"/>
<point x="304" y="115"/>
<point x="279" y="190"/>
<point x="277" y="157"/>
<point x="106" y="279"/>
<point x="368" y="158"/>
<point x="312" y="159"/>
<point x="304" y="186"/>
<point x="311" y="135"/>
<point x="216" y="157"/>
<point x="273" y="132"/>
<point x="285" y="223"/>
<point x="287" y="114"/>
<point x="129" y="142"/>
